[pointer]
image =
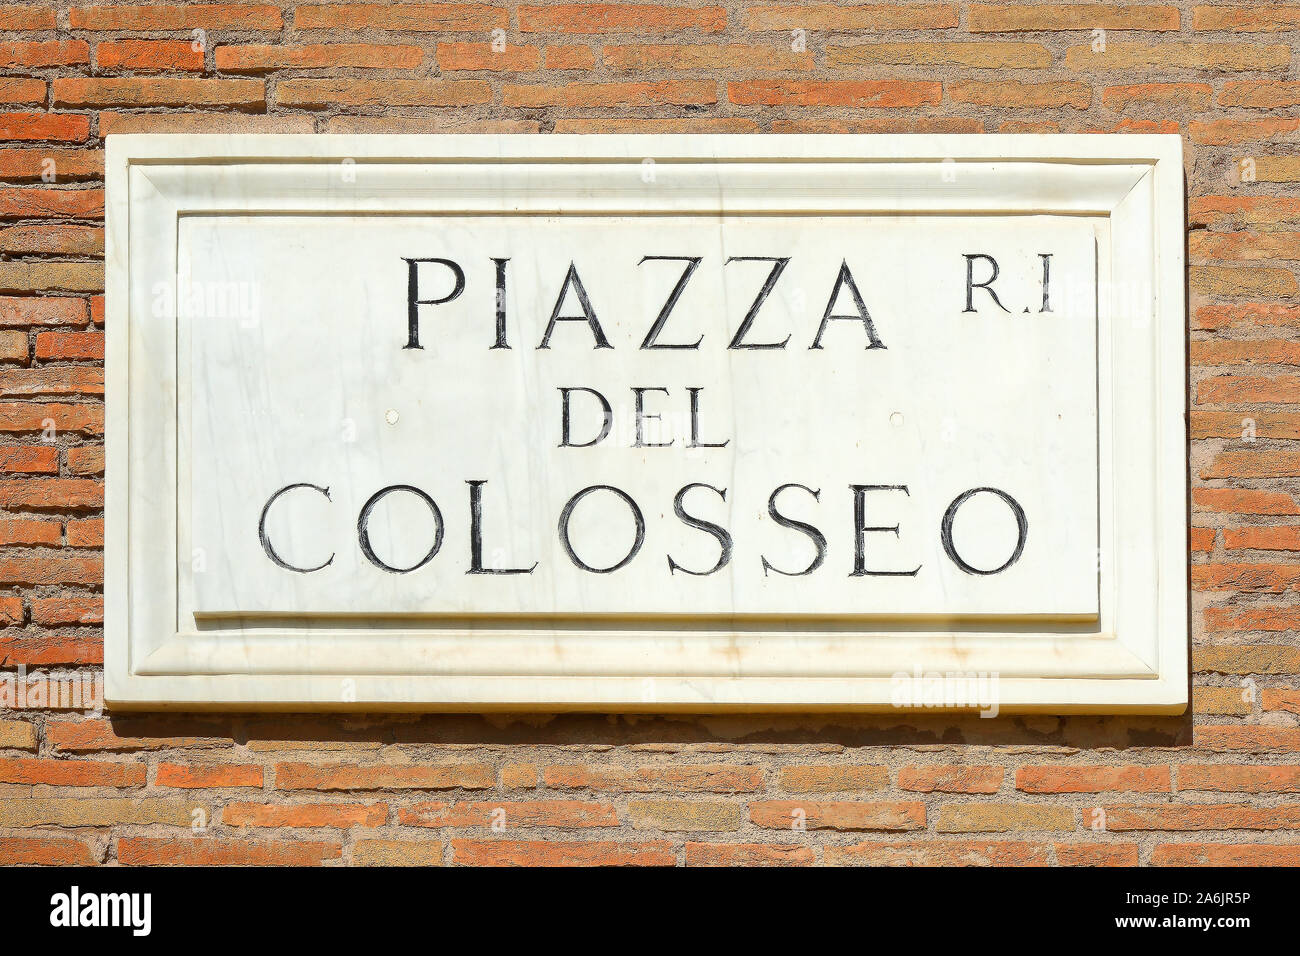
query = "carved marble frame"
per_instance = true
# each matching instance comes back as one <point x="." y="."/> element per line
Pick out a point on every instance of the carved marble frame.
<point x="1133" y="658"/>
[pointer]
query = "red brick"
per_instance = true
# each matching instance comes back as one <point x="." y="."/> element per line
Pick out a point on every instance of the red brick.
<point x="939" y="853"/>
<point x="1244" y="246"/>
<point x="866" y="17"/>
<point x="23" y="311"/>
<point x="23" y="417"/>
<point x="1236" y="282"/>
<point x="54" y="611"/>
<point x="36" y="202"/>
<point x="1254" y="617"/>
<point x="1131" y="125"/>
<point x="1080" y="779"/>
<point x="112" y="122"/>
<point x="1272" y="94"/>
<point x="748" y="854"/>
<point x="482" y="56"/>
<point x="1225" y="854"/>
<point x="29" y="54"/>
<point x="431" y="17"/>
<point x="146" y="56"/>
<point x="69" y="346"/>
<point x="180" y="851"/>
<point x="188" y="16"/>
<point x="49" y="650"/>
<point x="685" y="124"/>
<point x="1243" y="501"/>
<point x="322" y="94"/>
<point x="1241" y="425"/>
<point x="51" y="239"/>
<point x="874" y="93"/>
<point x="22" y="91"/>
<point x="212" y="776"/>
<point x="570" y="58"/>
<point x="1246" y="659"/>
<point x="43" y="851"/>
<point x="51" y="381"/>
<point x="592" y="18"/>
<point x="1096" y="854"/>
<point x="1003" y="817"/>
<point x="81" y="92"/>
<point x="1279" y="699"/>
<point x="1229" y="389"/>
<point x="86" y="533"/>
<point x="1263" y="538"/>
<point x="1015" y="95"/>
<point x="566" y="814"/>
<point x="953" y="778"/>
<point x="306" y="776"/>
<point x="837" y="815"/>
<point x="1201" y="539"/>
<point x="1246" y="739"/>
<point x="562" y="853"/>
<point x="11" y="611"/>
<point x="91" y="736"/>
<point x="1253" y="464"/>
<point x="45" y="493"/>
<point x="339" y="815"/>
<point x="1226" y="132"/>
<point x="705" y="56"/>
<point x="1247" y="19"/>
<point x="29" y="459"/>
<point x="71" y="773"/>
<point x="429" y="123"/>
<point x="576" y="95"/>
<point x="29" y="532"/>
<point x="264" y="58"/>
<point x="981" y="55"/>
<point x="1233" y="778"/>
<point x="1022" y="126"/>
<point x="51" y="568"/>
<point x="397" y="853"/>
<point x="831" y="778"/>
<point x="1236" y="212"/>
<point x="86" y="460"/>
<point x="1179" y="96"/>
<point x="1169" y="55"/>
<point x="900" y="123"/>
<point x="1202" y="816"/>
<point x="1237" y="701"/>
<point x="53" y="127"/>
<point x="26" y="17"/>
<point x="1035" y="18"/>
<point x="682" y="778"/>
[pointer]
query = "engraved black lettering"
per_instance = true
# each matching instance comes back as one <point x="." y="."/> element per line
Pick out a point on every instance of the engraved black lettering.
<point x="818" y="539"/>
<point x="571" y="281"/>
<point x="860" y="530"/>
<point x="945" y="530"/>
<point x="567" y="514"/>
<point x="778" y="266"/>
<point x="651" y="337"/>
<point x="845" y="278"/>
<point x="413" y="300"/>
<point x="266" y="541"/>
<point x="363" y="528"/>
<point x="720" y="533"/>
<point x="986" y="285"/>
<point x="476" y="535"/>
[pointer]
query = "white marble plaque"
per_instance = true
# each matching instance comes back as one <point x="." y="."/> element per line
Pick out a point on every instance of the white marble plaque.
<point x="645" y="422"/>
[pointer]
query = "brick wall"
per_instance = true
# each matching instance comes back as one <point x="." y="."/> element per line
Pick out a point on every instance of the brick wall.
<point x="1219" y="785"/>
